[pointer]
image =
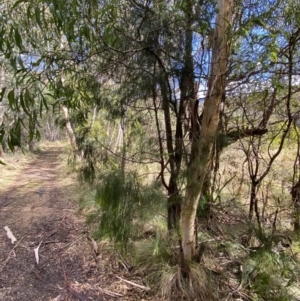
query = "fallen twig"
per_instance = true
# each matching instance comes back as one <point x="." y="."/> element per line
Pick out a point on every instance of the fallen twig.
<point x="38" y="276"/>
<point x="64" y="273"/>
<point x="58" y="226"/>
<point x="135" y="284"/>
<point x="110" y="293"/>
<point x="36" y="252"/>
<point x="52" y="242"/>
<point x="77" y="295"/>
<point x="123" y="262"/>
<point x="10" y="253"/>
<point x="69" y="288"/>
<point x="10" y="235"/>
<point x="95" y="246"/>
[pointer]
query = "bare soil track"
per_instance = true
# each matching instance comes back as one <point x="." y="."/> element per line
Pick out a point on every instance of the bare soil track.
<point x="39" y="208"/>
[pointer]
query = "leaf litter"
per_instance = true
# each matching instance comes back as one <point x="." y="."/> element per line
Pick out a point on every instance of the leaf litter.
<point x="55" y="259"/>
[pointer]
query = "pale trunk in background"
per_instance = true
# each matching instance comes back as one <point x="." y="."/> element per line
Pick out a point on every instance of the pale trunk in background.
<point x="2" y="109"/>
<point x="70" y="132"/>
<point x="119" y="140"/>
<point x="202" y="147"/>
<point x="65" y="110"/>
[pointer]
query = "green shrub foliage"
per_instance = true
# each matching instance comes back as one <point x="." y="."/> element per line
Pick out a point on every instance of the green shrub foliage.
<point x="123" y="205"/>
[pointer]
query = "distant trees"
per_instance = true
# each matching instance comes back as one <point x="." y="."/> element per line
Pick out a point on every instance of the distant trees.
<point x="185" y="79"/>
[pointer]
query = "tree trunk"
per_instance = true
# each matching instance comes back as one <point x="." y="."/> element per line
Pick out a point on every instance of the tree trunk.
<point x="31" y="146"/>
<point x="187" y="96"/>
<point x="124" y="144"/>
<point x="174" y="205"/>
<point x="65" y="110"/>
<point x="118" y="140"/>
<point x="2" y="111"/>
<point x="93" y="117"/>
<point x="202" y="146"/>
<point x="295" y="193"/>
<point x="70" y="132"/>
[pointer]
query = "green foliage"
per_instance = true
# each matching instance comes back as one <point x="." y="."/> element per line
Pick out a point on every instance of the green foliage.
<point x="95" y="159"/>
<point x="204" y="204"/>
<point x="114" y="56"/>
<point x="122" y="206"/>
<point x="275" y="132"/>
<point x="269" y="275"/>
<point x="154" y="254"/>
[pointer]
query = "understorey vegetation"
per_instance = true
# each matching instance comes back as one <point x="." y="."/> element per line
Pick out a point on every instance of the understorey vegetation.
<point x="184" y="125"/>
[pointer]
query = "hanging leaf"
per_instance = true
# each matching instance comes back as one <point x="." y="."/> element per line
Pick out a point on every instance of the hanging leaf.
<point x="37" y="135"/>
<point x="45" y="102"/>
<point x="24" y="107"/>
<point x="2" y="93"/>
<point x="11" y="98"/>
<point x="41" y="109"/>
<point x="259" y="22"/>
<point x="31" y="131"/>
<point x="29" y="16"/>
<point x="10" y="145"/>
<point x="38" y="17"/>
<point x="13" y="63"/>
<point x="20" y="62"/>
<point x="18" y="133"/>
<point x="17" y="3"/>
<point x="18" y="39"/>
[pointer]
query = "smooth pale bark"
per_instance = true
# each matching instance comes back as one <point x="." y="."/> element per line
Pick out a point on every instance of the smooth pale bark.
<point x="124" y="146"/>
<point x="93" y="117"/>
<point x="119" y="140"/>
<point x="1" y="120"/>
<point x="202" y="146"/>
<point x="65" y="110"/>
<point x="70" y="131"/>
<point x="2" y="109"/>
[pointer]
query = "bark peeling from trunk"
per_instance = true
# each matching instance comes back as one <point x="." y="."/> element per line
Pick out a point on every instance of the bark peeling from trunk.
<point x="202" y="146"/>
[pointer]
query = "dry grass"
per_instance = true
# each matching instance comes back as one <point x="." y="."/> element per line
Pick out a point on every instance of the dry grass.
<point x="157" y="260"/>
<point x="233" y="184"/>
<point x="14" y="164"/>
<point x="17" y="163"/>
<point x="175" y="287"/>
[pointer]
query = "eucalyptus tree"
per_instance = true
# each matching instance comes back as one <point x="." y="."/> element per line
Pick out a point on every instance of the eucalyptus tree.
<point x="161" y="54"/>
<point x="23" y="91"/>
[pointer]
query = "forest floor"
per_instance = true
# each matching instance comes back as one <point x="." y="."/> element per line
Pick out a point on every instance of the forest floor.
<point x="38" y="204"/>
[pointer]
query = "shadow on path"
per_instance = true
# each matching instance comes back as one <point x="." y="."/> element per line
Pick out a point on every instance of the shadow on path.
<point x="39" y="209"/>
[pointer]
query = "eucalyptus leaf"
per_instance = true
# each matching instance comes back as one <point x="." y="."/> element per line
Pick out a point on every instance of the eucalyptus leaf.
<point x="11" y="98"/>
<point x="18" y="39"/>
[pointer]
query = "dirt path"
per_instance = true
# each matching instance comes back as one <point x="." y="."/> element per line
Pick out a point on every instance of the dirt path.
<point x="39" y="208"/>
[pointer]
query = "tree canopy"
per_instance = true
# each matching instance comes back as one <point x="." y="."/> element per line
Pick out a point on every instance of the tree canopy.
<point x="158" y="85"/>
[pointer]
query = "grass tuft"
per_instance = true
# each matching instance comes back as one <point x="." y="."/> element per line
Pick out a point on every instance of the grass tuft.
<point x="157" y="260"/>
